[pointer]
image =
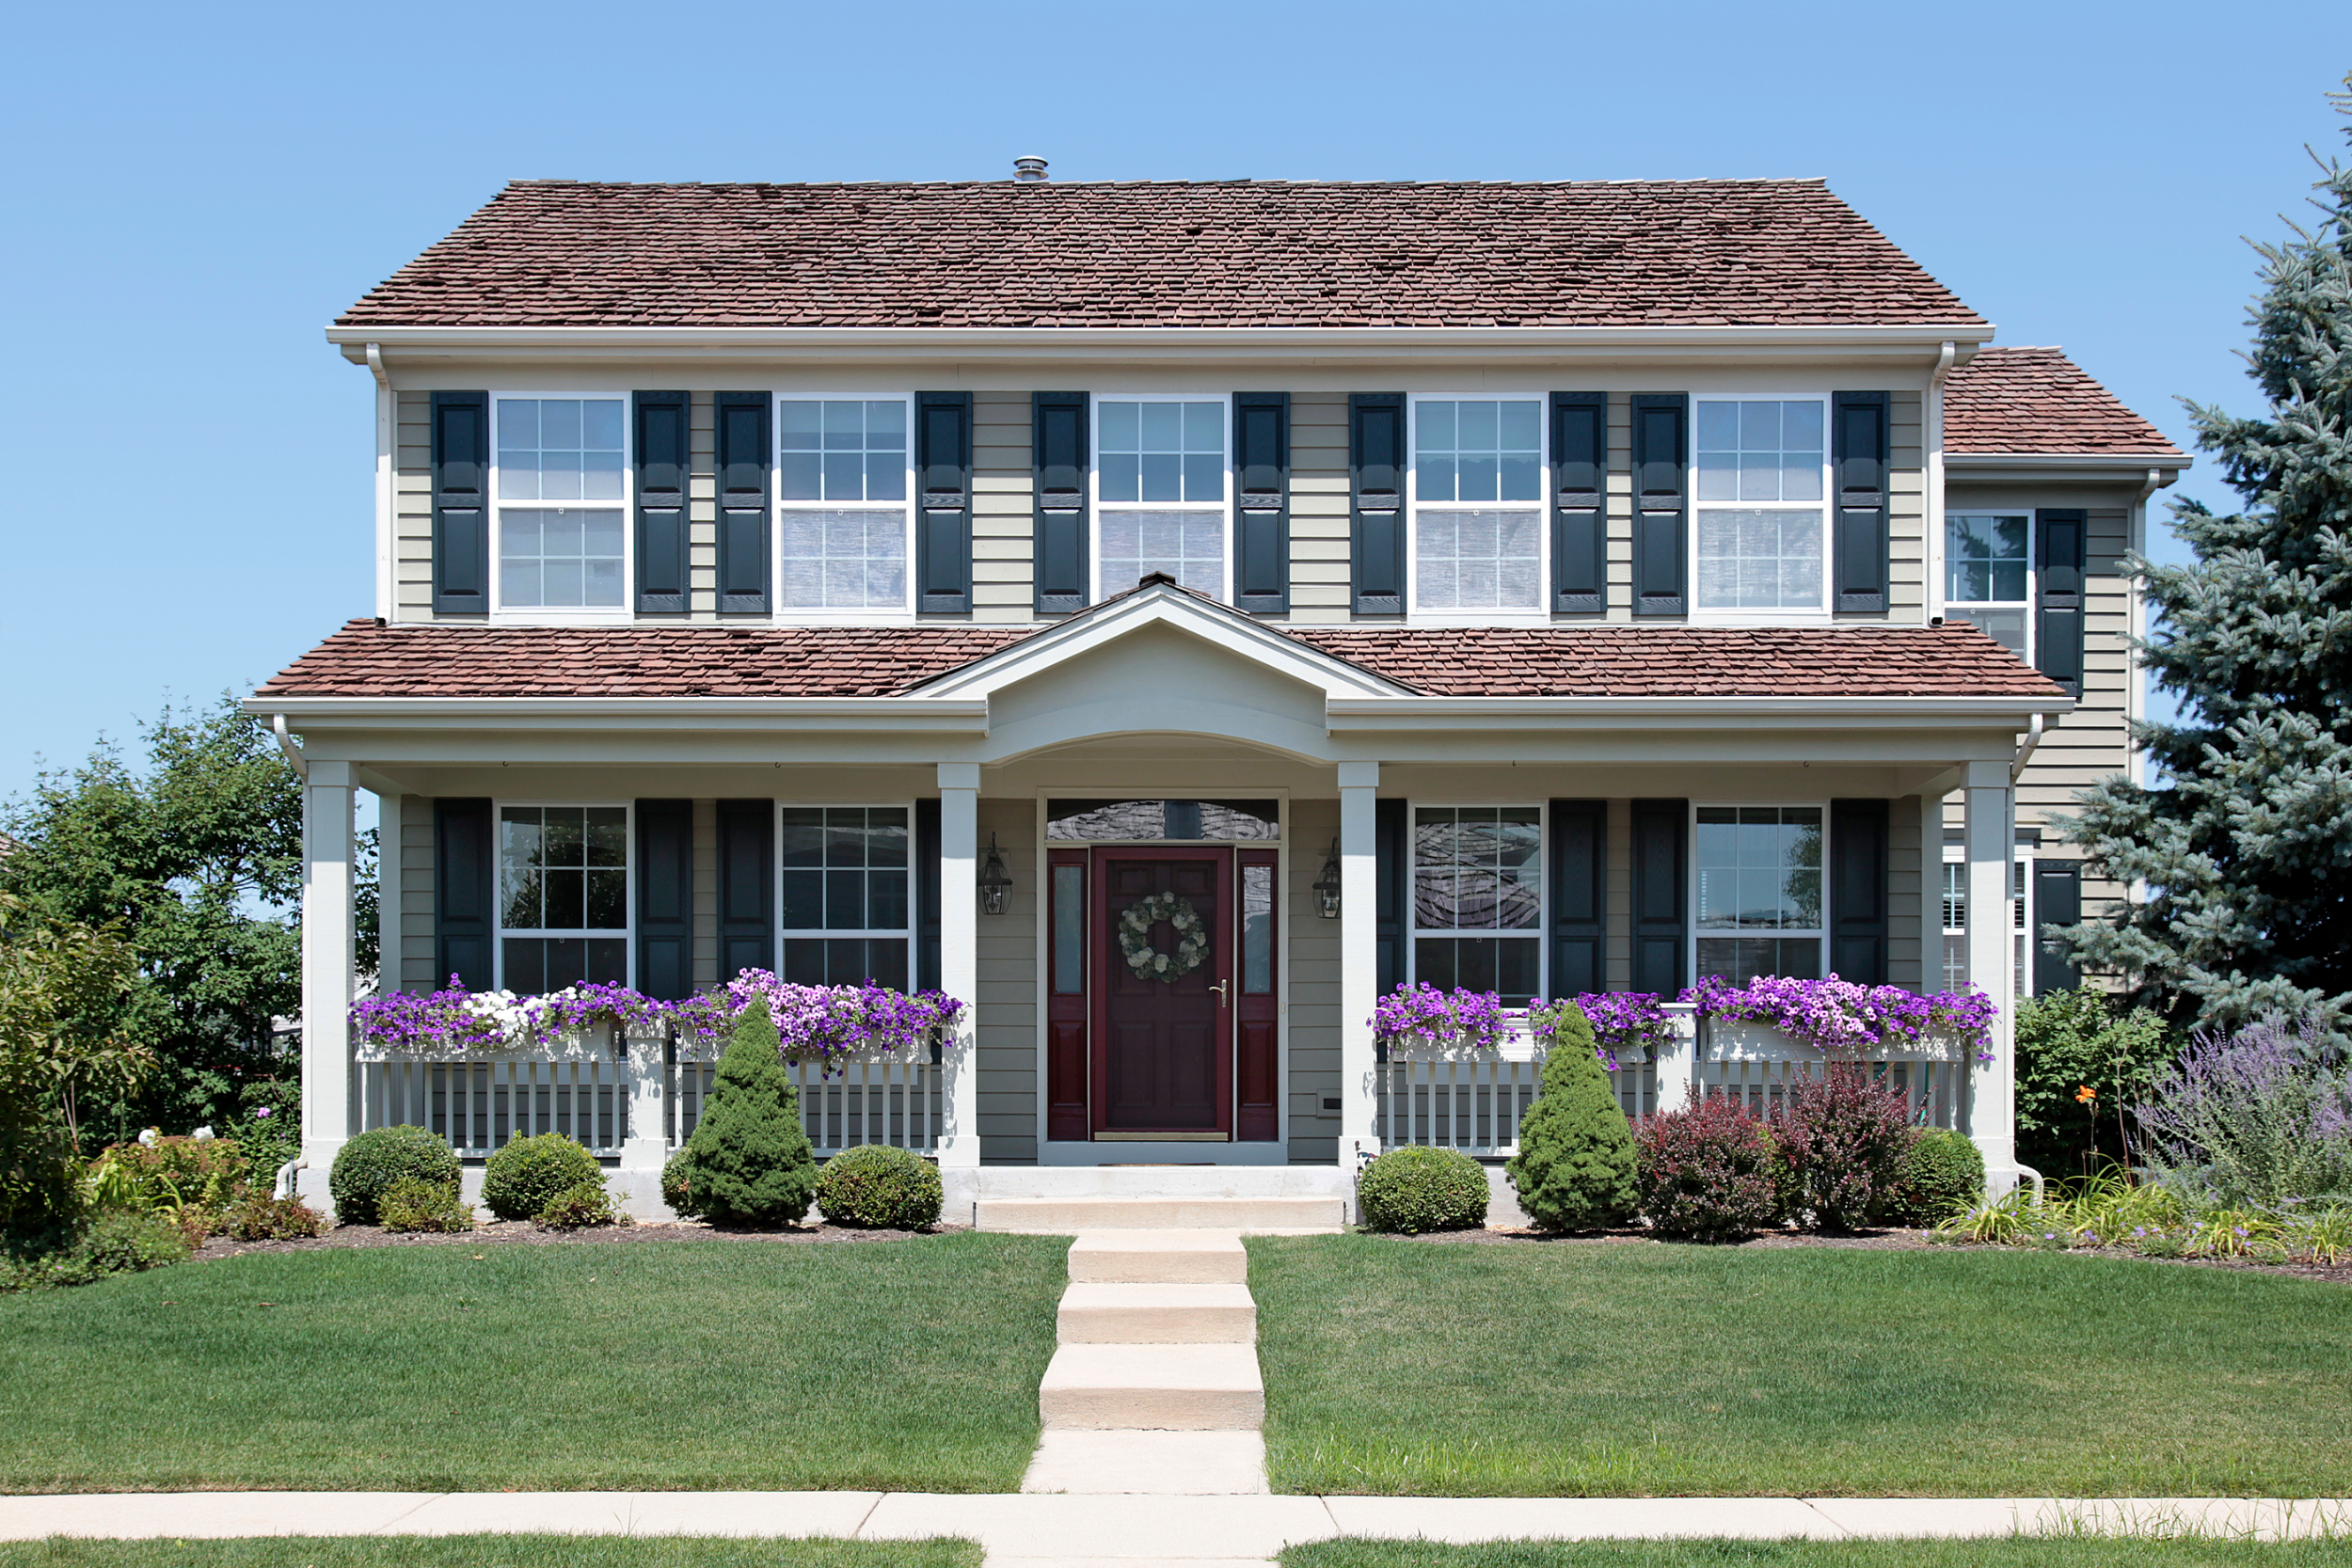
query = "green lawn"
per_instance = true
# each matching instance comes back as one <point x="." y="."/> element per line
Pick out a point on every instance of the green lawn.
<point x="1395" y="1367"/>
<point x="489" y="1551"/>
<point x="2065" y="1552"/>
<point x="731" y="1365"/>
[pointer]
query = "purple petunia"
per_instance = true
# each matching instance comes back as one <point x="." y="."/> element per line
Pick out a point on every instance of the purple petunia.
<point x="1841" y="1018"/>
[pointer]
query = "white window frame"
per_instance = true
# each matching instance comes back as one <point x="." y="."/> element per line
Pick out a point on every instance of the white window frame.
<point x="1957" y="609"/>
<point x="1541" y="506"/>
<point x="1097" y="590"/>
<point x="1820" y="933"/>
<point x="1538" y="933"/>
<point x="620" y="614"/>
<point x="2022" y="924"/>
<point x="1825" y="507"/>
<point x="499" y="930"/>
<point x="904" y="609"/>
<point x="915" y="887"/>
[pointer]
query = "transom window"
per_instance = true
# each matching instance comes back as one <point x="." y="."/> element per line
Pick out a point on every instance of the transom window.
<point x="1765" y="457"/>
<point x="1160" y="492"/>
<point x="1988" y="575"/>
<point x="1759" y="892"/>
<point x="563" y="896"/>
<point x="1477" y="516"/>
<point x="1477" y="879"/>
<point x="841" y="487"/>
<point x="570" y="556"/>
<point x="845" y="896"/>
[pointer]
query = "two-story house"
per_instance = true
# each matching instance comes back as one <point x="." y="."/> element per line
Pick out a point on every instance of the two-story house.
<point x="1546" y="588"/>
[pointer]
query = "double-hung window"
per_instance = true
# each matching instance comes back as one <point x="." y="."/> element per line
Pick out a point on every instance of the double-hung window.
<point x="1759" y="892"/>
<point x="561" y="495"/>
<point x="1988" y="575"/>
<point x="1478" y="899"/>
<point x="1760" y="472"/>
<point x="563" y="896"/>
<point x="1956" y="918"/>
<point x="842" y="483"/>
<point x="847" y="912"/>
<point x="1478" y="518"/>
<point x="1160" y="492"/>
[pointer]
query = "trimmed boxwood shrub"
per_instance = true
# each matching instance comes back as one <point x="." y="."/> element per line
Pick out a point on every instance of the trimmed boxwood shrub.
<point x="578" y="1207"/>
<point x="1942" y="1175"/>
<point x="1411" y="1190"/>
<point x="1574" y="1170"/>
<point x="748" y="1162"/>
<point x="409" y="1204"/>
<point x="519" y="1180"/>
<point x="1709" y="1172"/>
<point x="370" y="1162"/>
<point x="877" y="1186"/>
<point x="1842" y="1138"/>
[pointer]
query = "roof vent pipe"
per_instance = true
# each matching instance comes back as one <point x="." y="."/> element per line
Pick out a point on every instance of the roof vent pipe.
<point x="1028" y="168"/>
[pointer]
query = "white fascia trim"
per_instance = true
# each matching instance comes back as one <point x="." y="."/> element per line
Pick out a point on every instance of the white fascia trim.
<point x="2049" y="464"/>
<point x="804" y="714"/>
<point x="1696" y="712"/>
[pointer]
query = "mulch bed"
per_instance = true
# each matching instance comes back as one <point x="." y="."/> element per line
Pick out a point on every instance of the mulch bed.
<point x="524" y="1233"/>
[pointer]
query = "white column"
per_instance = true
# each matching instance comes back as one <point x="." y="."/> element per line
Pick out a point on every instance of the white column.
<point x="1360" y="955"/>
<point x="959" y="954"/>
<point x="326" y="961"/>
<point x="1991" y="840"/>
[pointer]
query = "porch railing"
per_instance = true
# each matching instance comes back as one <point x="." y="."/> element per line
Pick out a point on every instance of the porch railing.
<point x="899" y="1103"/>
<point x="480" y="1106"/>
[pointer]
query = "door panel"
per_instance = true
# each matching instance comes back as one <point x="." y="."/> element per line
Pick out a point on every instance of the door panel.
<point x="1163" y="1059"/>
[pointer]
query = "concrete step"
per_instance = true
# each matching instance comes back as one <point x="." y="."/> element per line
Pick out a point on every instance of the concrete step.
<point x="1167" y="1387"/>
<point x="1158" y="1315"/>
<point x="1159" y="1258"/>
<point x="1200" y="1463"/>
<point x="1063" y="1217"/>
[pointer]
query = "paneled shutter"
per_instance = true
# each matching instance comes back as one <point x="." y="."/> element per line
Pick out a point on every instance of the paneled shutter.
<point x="1059" y="430"/>
<point x="927" y="849"/>
<point x="1375" y="466"/>
<point x="465" y="904"/>
<point x="1394" y="862"/>
<point x="1580" y="894"/>
<point x="1580" y="527"/>
<point x="744" y="465"/>
<point x="1858" y="441"/>
<point x="461" y="512"/>
<point x="1858" y="891"/>
<point x="1662" y="445"/>
<point x="2058" y="636"/>
<point x="2057" y="900"/>
<point x="747" y="886"/>
<point x="1262" y="483"/>
<point x="664" y="445"/>
<point x="1661" y="830"/>
<point x="942" y="516"/>
<point x="665" y="898"/>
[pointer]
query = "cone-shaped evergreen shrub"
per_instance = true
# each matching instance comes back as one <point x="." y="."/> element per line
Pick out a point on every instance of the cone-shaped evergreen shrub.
<point x="1574" y="1170"/>
<point x="748" y="1162"/>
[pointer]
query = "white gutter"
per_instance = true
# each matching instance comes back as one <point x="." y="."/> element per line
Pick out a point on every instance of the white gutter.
<point x="2033" y="738"/>
<point x="383" y="439"/>
<point x="285" y="744"/>
<point x="2053" y="464"/>
<point x="1389" y="713"/>
<point x="805" y="713"/>
<point x="1935" y="435"/>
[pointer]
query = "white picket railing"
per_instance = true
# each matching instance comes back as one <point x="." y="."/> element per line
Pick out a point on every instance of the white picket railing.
<point x="902" y="1104"/>
<point x="1932" y="1089"/>
<point x="479" y="1106"/>
<point x="1475" y="1103"/>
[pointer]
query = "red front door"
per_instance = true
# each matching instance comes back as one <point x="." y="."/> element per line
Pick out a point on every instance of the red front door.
<point x="1163" y="1057"/>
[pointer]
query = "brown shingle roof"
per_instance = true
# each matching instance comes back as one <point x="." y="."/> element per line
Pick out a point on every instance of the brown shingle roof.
<point x="1231" y="253"/>
<point x="369" y="659"/>
<point x="2036" y="400"/>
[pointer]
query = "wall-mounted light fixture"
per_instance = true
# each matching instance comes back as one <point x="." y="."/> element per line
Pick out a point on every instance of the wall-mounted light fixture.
<point x="995" y="882"/>
<point x="1328" y="885"/>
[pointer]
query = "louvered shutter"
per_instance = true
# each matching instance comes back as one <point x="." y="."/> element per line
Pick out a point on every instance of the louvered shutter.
<point x="1858" y="891"/>
<point x="927" y="930"/>
<point x="942" y="516"/>
<point x="2057" y="638"/>
<point x="1580" y="908"/>
<point x="665" y="898"/>
<point x="1375" y="463"/>
<point x="1058" y="433"/>
<point x="465" y="905"/>
<point x="2057" y="900"/>
<point x="1394" y="863"/>
<point x="461" y="512"/>
<point x="1858" y="443"/>
<point x="1662" y="445"/>
<point x="1660" y="895"/>
<point x="745" y="462"/>
<point x="1580" y="529"/>
<point x="1262" y="486"/>
<point x="747" y="886"/>
<point x="664" y="445"/>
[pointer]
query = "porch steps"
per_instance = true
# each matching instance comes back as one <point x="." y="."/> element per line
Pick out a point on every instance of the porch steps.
<point x="1167" y="1387"/>
<point x="1097" y="1314"/>
<point x="1158" y="1257"/>
<point x="1063" y="1217"/>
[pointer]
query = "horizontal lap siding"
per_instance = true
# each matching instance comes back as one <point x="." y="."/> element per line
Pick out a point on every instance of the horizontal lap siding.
<point x="1904" y="889"/>
<point x="1320" y="556"/>
<point x="1003" y="508"/>
<point x="412" y="508"/>
<point x="1313" y="1012"/>
<point x="1007" y="1020"/>
<point x="702" y="515"/>
<point x="415" y="958"/>
<point x="1618" y="899"/>
<point x="1907" y="511"/>
<point x="1619" y="518"/>
<point x="707" y="892"/>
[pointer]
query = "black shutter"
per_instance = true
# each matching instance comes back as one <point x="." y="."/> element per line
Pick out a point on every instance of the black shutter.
<point x="663" y="446"/>
<point x="2058" y="636"/>
<point x="1858" y="891"/>
<point x="1662" y="446"/>
<point x="1262" y="484"/>
<point x="1661" y="831"/>
<point x="927" y="846"/>
<point x="461" y="513"/>
<point x="464" y="903"/>
<point x="744" y="465"/>
<point x="1579" y="896"/>
<point x="1394" y="863"/>
<point x="1375" y="466"/>
<point x="1059" y="434"/>
<point x="665" y="898"/>
<point x="2057" y="900"/>
<point x="943" y="517"/>
<point x="1858" y="440"/>
<point x="747" y="886"/>
<point x="1580" y="527"/>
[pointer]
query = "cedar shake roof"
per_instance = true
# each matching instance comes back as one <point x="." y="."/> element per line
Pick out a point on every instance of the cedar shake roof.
<point x="2036" y="400"/>
<point x="367" y="659"/>
<point x="1213" y="254"/>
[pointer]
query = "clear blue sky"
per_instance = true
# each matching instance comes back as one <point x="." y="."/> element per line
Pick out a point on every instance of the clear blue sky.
<point x="195" y="191"/>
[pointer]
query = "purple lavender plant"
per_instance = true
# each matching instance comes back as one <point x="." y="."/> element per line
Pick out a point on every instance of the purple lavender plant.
<point x="2256" y="1119"/>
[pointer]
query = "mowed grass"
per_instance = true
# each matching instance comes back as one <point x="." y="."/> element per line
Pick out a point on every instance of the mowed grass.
<point x="1395" y="1367"/>
<point x="2004" y="1552"/>
<point x="732" y="1365"/>
<point x="489" y="1551"/>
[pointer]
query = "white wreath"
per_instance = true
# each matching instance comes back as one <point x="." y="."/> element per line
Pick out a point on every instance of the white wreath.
<point x="1135" y="937"/>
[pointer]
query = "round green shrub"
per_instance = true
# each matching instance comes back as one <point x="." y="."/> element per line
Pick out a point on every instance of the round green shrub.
<point x="1575" y="1167"/>
<point x="409" y="1204"/>
<point x="583" y="1204"/>
<point x="1941" y="1175"/>
<point x="517" y="1180"/>
<point x="1412" y="1190"/>
<point x="748" y="1162"/>
<point x="371" y="1161"/>
<point x="879" y="1187"/>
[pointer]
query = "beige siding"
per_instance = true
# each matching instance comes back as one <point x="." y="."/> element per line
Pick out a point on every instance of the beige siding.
<point x="1907" y="510"/>
<point x="1321" y="590"/>
<point x="702" y="511"/>
<point x="1003" y="508"/>
<point x="1008" y="1032"/>
<point x="1313" y="1014"/>
<point x="1905" y="885"/>
<point x="415" y="958"/>
<point x="1618" y="605"/>
<point x="412" y="508"/>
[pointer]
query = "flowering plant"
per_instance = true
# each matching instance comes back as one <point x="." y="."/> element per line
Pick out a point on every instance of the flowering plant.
<point x="1628" y="1020"/>
<point x="449" y="1020"/>
<point x="1461" y="1020"/>
<point x="1839" y="1018"/>
<point x="823" y="1024"/>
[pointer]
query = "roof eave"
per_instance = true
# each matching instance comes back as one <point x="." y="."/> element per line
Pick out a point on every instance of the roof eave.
<point x="1878" y="712"/>
<point x="2131" y="465"/>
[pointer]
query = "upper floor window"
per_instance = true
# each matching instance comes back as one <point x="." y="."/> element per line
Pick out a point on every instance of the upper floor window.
<point x="1761" y="473"/>
<point x="557" y="549"/>
<point x="1759" y="892"/>
<point x="563" y="896"/>
<point x="1478" y="535"/>
<point x="1988" y="575"/>
<point x="841" y="487"/>
<point x="1478" y="899"/>
<point x="1159" y="474"/>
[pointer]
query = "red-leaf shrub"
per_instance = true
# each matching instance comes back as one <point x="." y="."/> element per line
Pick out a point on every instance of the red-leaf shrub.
<point x="1842" y="1139"/>
<point x="1706" y="1171"/>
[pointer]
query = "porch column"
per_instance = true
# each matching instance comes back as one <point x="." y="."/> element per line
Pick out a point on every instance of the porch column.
<point x="1359" y="958"/>
<point x="1992" y="848"/>
<point x="326" y="961"/>
<point x="959" y="955"/>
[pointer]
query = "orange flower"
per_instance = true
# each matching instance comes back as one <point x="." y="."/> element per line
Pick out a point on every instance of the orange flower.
<point x="2085" y="1095"/>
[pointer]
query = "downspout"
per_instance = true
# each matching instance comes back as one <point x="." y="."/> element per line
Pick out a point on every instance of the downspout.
<point x="1933" y="553"/>
<point x="383" y="434"/>
<point x="2136" y="623"/>
<point x="285" y="743"/>
<point x="2033" y="738"/>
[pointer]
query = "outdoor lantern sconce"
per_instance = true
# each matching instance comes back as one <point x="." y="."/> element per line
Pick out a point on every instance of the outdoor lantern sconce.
<point x="995" y="882"/>
<point x="1328" y="885"/>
